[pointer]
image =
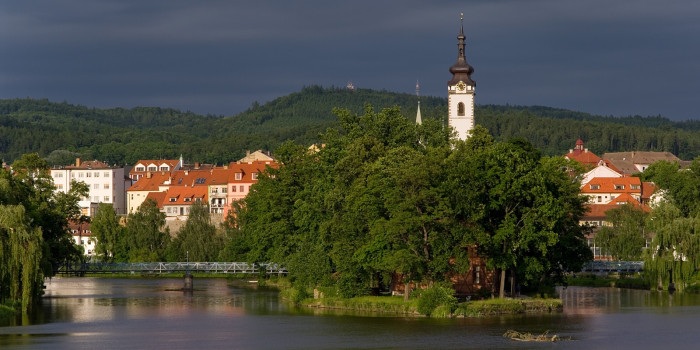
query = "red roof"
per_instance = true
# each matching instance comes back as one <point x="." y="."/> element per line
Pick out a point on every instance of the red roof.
<point x="181" y="195"/>
<point x="613" y="185"/>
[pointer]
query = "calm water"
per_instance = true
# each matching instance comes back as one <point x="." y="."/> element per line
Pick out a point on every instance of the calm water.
<point x="88" y="313"/>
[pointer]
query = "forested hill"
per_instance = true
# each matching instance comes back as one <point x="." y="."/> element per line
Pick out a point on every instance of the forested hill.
<point x="61" y="131"/>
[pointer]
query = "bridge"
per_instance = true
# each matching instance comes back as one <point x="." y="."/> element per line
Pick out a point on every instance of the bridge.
<point x="80" y="269"/>
<point x="613" y="266"/>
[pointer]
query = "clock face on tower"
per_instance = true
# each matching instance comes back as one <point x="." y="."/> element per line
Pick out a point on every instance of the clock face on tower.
<point x="461" y="86"/>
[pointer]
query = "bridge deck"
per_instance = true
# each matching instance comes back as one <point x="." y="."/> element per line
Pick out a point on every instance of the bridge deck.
<point x="171" y="267"/>
<point x="614" y="266"/>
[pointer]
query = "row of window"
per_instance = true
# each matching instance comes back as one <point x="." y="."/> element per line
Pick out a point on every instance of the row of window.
<point x="96" y="199"/>
<point x="152" y="168"/>
<point x="617" y="187"/>
<point x="83" y="174"/>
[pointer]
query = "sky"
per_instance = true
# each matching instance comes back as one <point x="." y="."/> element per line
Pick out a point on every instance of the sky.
<point x="619" y="58"/>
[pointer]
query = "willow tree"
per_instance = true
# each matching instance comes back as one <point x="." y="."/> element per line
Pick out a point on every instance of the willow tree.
<point x="675" y="248"/>
<point x="21" y="248"/>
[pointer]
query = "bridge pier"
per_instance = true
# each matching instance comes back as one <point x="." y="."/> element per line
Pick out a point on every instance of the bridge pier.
<point x="189" y="282"/>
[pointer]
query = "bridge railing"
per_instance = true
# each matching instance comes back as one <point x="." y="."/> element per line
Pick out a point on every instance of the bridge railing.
<point x="614" y="266"/>
<point x="170" y="267"/>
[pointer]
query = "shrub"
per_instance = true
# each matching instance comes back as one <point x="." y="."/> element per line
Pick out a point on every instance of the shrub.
<point x="437" y="295"/>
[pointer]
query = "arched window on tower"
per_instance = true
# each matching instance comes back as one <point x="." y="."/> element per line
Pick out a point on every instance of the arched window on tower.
<point x="460" y="109"/>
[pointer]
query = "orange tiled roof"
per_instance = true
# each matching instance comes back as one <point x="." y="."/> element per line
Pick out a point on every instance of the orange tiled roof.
<point x="184" y="195"/>
<point x="598" y="211"/>
<point x="151" y="183"/>
<point x="247" y="170"/>
<point x="158" y="197"/>
<point x="612" y="185"/>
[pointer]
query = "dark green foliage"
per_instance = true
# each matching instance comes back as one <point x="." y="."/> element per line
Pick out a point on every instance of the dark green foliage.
<point x="60" y="132"/>
<point x="198" y="239"/>
<point x="108" y="232"/>
<point x="384" y="196"/>
<point x="34" y="236"/>
<point x="436" y="295"/>
<point x="145" y="236"/>
<point x="627" y="236"/>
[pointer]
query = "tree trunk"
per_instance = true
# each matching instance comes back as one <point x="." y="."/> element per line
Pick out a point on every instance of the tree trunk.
<point x="502" y="287"/>
<point x="406" y="291"/>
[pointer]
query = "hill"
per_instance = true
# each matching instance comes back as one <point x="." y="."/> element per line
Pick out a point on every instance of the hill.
<point x="61" y="131"/>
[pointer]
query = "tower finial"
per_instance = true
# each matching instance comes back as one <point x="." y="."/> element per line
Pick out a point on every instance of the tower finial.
<point x="417" y="88"/>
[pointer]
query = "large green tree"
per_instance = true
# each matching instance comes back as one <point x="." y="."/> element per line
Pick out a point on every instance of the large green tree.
<point x="198" y="239"/>
<point x="627" y="237"/>
<point x="108" y="232"/>
<point x="517" y="206"/>
<point x="146" y="237"/>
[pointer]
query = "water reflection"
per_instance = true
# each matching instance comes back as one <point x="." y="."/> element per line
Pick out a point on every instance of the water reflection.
<point x="85" y="313"/>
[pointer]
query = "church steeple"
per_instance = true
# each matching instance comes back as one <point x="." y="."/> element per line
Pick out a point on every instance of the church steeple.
<point x="460" y="90"/>
<point x="461" y="70"/>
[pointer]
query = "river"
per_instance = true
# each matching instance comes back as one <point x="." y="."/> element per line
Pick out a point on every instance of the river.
<point x="107" y="313"/>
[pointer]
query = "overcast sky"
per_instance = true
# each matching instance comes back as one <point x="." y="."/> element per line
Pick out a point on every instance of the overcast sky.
<point x="621" y="57"/>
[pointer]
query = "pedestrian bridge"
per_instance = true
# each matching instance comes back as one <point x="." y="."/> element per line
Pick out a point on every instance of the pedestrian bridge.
<point x="81" y="269"/>
<point x="613" y="266"/>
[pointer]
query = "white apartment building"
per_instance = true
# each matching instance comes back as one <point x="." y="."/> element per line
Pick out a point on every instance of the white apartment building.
<point x="107" y="184"/>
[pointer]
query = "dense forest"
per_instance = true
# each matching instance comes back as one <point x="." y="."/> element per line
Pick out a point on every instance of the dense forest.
<point x="60" y="132"/>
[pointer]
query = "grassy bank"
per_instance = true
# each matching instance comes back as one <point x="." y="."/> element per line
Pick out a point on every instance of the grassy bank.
<point x="493" y="307"/>
<point x="477" y="308"/>
<point x="326" y="298"/>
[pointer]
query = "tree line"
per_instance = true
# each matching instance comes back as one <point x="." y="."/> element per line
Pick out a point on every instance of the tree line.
<point x="60" y="132"/>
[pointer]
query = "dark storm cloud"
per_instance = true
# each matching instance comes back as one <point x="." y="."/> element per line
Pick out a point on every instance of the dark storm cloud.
<point x="620" y="58"/>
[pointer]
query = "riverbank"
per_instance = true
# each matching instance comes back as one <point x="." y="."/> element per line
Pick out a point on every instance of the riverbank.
<point x="326" y="298"/>
<point x="475" y="308"/>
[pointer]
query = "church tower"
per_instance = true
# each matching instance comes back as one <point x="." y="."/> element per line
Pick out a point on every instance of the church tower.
<point x="461" y="90"/>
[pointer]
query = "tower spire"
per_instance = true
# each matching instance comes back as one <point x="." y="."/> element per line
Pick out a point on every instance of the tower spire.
<point x="461" y="70"/>
<point x="418" y="117"/>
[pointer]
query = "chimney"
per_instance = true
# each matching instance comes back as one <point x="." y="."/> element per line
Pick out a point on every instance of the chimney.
<point x="247" y="152"/>
<point x="196" y="165"/>
<point x="77" y="162"/>
<point x="149" y="175"/>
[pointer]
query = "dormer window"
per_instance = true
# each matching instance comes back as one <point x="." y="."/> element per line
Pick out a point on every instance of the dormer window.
<point x="188" y="199"/>
<point x="152" y="168"/>
<point x="619" y="187"/>
<point x="173" y="199"/>
<point x="254" y="176"/>
<point x="164" y="168"/>
<point x="595" y="186"/>
<point x="140" y="168"/>
<point x="239" y="176"/>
